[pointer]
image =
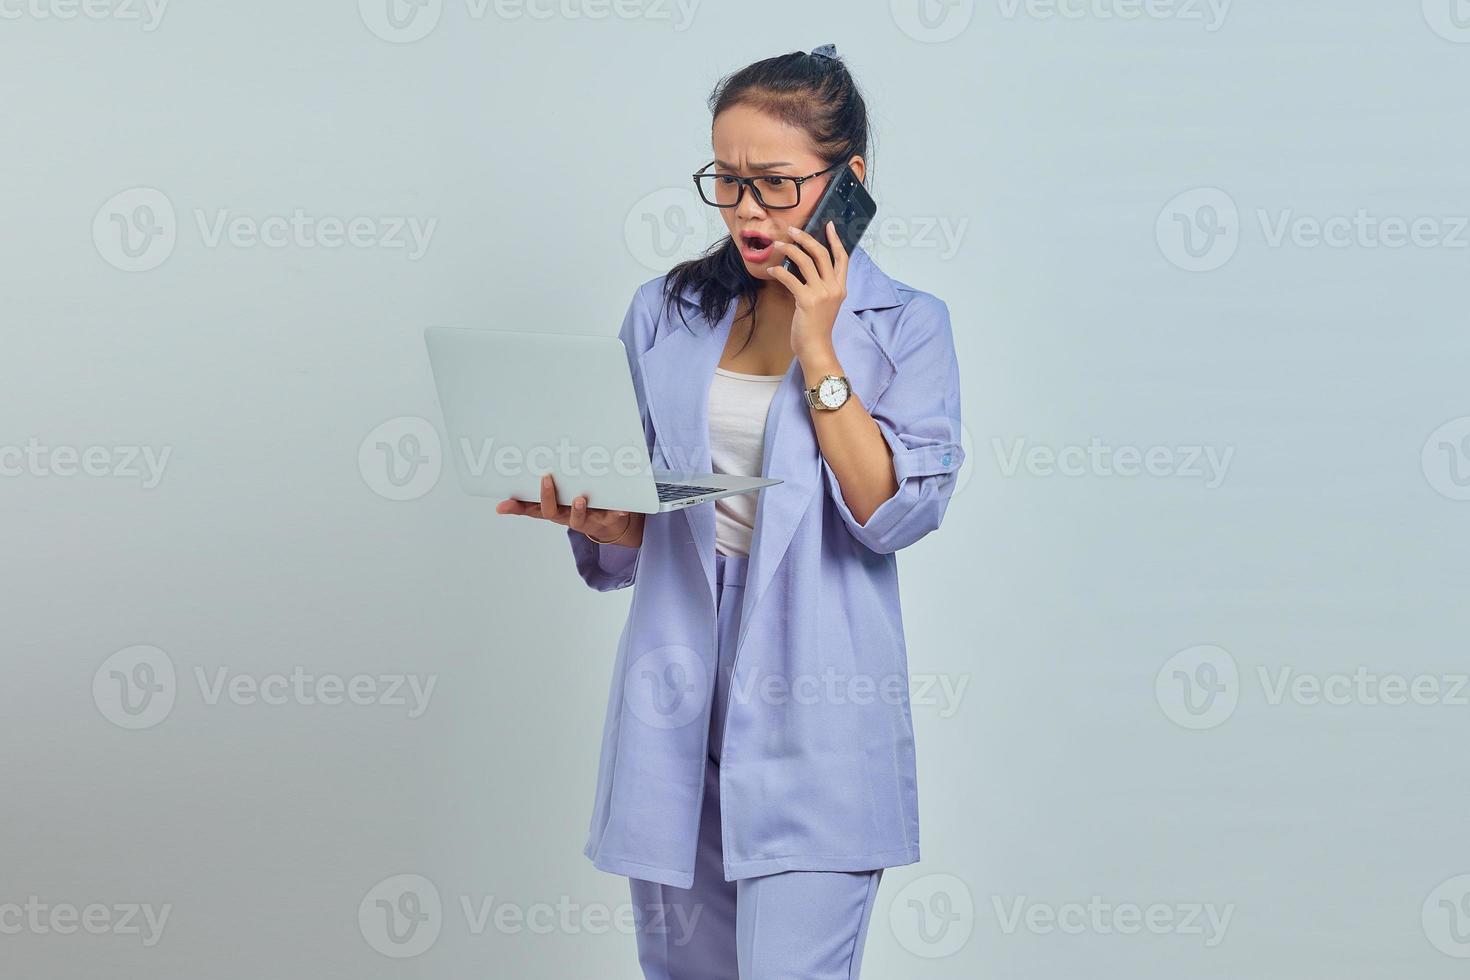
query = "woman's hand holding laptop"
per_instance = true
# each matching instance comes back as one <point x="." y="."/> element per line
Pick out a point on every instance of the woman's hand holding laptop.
<point x="603" y="526"/>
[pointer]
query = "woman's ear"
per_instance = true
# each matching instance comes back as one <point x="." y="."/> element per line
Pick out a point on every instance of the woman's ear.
<point x="859" y="168"/>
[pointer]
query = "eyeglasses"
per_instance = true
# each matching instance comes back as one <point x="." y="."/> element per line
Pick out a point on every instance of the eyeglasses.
<point x="774" y="192"/>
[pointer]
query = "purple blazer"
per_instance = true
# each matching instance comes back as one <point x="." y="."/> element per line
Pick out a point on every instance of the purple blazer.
<point x="817" y="765"/>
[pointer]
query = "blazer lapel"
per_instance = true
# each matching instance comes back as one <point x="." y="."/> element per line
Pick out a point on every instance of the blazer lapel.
<point x="677" y="371"/>
<point x="792" y="453"/>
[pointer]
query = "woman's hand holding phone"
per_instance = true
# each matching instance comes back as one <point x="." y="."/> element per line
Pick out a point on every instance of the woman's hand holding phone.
<point x="591" y="521"/>
<point x="820" y="297"/>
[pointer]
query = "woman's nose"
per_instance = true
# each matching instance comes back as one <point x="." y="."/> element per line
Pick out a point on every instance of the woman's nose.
<point x="749" y="207"/>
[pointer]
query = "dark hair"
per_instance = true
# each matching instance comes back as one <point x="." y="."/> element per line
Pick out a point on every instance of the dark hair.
<point x="810" y="92"/>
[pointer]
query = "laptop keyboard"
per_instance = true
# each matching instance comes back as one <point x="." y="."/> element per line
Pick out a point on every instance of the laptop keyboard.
<point x="678" y="491"/>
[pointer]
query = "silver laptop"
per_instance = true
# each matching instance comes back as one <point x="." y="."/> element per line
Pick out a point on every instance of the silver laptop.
<point x="517" y="405"/>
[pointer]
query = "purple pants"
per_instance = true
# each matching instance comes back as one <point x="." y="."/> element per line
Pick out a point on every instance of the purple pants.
<point x="809" y="925"/>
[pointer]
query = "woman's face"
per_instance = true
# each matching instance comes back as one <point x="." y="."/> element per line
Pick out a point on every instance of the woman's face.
<point x="750" y="143"/>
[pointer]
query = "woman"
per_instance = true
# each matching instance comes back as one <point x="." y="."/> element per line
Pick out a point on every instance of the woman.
<point x="757" y="767"/>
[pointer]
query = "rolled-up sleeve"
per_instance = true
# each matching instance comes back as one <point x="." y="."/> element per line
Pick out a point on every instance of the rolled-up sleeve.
<point x="606" y="567"/>
<point x="919" y="416"/>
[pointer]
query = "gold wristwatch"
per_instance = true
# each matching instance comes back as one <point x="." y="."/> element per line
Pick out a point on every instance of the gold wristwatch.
<point x="829" y="393"/>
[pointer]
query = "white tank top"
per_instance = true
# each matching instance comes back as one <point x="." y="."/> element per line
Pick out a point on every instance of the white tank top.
<point x="738" y="404"/>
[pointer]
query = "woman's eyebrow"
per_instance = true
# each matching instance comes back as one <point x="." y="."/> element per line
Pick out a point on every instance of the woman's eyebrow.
<point x="753" y="166"/>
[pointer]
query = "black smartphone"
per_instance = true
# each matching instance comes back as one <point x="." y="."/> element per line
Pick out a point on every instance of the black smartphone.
<point x="845" y="201"/>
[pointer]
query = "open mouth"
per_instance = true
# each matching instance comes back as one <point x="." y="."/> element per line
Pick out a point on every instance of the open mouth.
<point x="755" y="246"/>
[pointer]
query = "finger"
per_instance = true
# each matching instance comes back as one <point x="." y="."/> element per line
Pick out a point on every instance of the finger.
<point x="814" y="247"/>
<point x="510" y="505"/>
<point x="577" y="521"/>
<point x="786" y="279"/>
<point x="839" y="253"/>
<point x="550" y="509"/>
<point x="799" y="258"/>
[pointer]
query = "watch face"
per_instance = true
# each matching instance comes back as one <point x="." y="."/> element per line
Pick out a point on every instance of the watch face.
<point x="832" y="392"/>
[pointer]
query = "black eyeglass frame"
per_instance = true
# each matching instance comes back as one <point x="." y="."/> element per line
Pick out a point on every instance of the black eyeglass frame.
<point x="750" y="183"/>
